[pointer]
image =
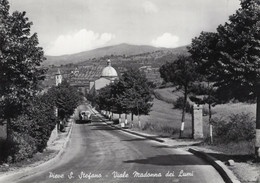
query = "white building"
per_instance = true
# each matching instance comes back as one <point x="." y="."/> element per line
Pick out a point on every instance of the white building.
<point x="109" y="75"/>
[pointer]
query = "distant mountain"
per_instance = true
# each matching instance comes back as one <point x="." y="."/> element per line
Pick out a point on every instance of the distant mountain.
<point x="121" y="49"/>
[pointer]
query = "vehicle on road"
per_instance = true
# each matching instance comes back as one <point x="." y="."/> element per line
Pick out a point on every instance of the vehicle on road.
<point x="85" y="116"/>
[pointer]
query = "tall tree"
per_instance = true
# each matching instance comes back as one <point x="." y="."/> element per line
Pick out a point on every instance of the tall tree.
<point x="181" y="73"/>
<point x="105" y="99"/>
<point x="205" y="54"/>
<point x="67" y="99"/>
<point x="237" y="67"/>
<point x="20" y="59"/>
<point x="135" y="93"/>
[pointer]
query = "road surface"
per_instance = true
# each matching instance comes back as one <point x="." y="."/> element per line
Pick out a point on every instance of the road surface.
<point x="99" y="153"/>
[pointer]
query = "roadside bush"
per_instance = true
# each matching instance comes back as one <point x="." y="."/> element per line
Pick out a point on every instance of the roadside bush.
<point x="239" y="127"/>
<point x="148" y="126"/>
<point x="23" y="146"/>
<point x="43" y="121"/>
<point x="31" y="130"/>
<point x="18" y="147"/>
<point x="165" y="129"/>
<point x="38" y="121"/>
<point x="178" y="104"/>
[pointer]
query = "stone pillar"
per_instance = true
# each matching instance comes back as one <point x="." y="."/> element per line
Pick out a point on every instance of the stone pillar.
<point x="197" y="122"/>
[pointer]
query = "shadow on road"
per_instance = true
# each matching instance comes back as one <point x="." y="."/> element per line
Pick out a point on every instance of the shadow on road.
<point x="136" y="139"/>
<point x="101" y="126"/>
<point x="82" y="121"/>
<point x="170" y="160"/>
<point x="162" y="146"/>
<point x="97" y="124"/>
<point x="104" y="128"/>
<point x="176" y="146"/>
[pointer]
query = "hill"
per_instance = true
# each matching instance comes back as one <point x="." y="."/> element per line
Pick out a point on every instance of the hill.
<point x="121" y="49"/>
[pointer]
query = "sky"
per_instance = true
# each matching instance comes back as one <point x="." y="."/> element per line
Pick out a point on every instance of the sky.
<point x="72" y="26"/>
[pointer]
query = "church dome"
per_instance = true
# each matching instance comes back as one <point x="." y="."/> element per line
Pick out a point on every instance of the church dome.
<point x="109" y="71"/>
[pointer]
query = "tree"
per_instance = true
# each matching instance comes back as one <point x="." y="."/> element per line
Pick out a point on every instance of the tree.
<point x="181" y="73"/>
<point x="67" y="99"/>
<point x="105" y="99"/>
<point x="131" y="94"/>
<point x="135" y="93"/>
<point x="205" y="54"/>
<point x="20" y="59"/>
<point x="232" y="53"/>
<point x="237" y="62"/>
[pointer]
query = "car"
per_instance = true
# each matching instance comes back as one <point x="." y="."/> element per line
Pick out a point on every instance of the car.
<point x="85" y="116"/>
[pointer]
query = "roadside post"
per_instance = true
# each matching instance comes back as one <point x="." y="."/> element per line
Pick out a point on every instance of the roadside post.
<point x="126" y="119"/>
<point x="197" y="122"/>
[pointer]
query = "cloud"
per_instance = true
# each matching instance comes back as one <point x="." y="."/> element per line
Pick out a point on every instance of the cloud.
<point x="166" y="40"/>
<point x="79" y="41"/>
<point x="149" y="7"/>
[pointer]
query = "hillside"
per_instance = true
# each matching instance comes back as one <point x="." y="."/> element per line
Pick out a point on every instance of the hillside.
<point x="121" y="49"/>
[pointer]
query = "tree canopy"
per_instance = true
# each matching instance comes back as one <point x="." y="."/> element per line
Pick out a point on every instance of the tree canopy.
<point x="135" y="92"/>
<point x="230" y="57"/>
<point x="66" y="99"/>
<point x="132" y="93"/>
<point x="20" y="58"/>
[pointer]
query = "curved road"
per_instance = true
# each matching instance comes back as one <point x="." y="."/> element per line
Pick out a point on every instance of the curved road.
<point x="99" y="153"/>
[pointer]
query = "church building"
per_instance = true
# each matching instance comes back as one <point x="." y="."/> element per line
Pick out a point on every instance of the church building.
<point x="109" y="75"/>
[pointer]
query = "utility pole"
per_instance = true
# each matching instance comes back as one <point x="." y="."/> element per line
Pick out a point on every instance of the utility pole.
<point x="257" y="142"/>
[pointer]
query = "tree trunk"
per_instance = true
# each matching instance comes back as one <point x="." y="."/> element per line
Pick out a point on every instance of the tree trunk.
<point x="120" y="118"/>
<point x="183" y="111"/>
<point x="210" y="125"/>
<point x="210" y="114"/>
<point x="132" y="120"/>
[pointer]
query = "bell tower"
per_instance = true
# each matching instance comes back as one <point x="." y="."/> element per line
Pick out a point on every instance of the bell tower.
<point x="58" y="77"/>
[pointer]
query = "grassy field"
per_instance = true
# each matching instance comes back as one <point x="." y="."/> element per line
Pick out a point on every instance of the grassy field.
<point x="222" y="111"/>
<point x="168" y="95"/>
<point x="164" y="120"/>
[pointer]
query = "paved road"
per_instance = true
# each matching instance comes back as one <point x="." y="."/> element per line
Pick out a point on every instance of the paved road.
<point x="99" y="153"/>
